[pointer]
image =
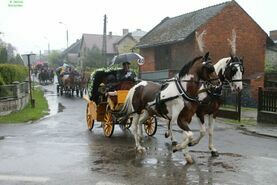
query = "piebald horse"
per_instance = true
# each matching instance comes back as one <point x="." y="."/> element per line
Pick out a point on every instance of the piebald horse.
<point x="148" y="98"/>
<point x="229" y="70"/>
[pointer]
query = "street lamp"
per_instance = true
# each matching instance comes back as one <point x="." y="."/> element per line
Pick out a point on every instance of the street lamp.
<point x="30" y="82"/>
<point x="66" y="33"/>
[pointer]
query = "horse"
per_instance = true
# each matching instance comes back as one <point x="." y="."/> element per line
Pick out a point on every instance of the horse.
<point x="167" y="100"/>
<point x="68" y="81"/>
<point x="230" y="70"/>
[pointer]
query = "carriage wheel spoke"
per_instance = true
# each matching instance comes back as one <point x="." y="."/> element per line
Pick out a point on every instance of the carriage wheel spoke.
<point x="108" y="124"/>
<point x="150" y="126"/>
<point x="90" y="120"/>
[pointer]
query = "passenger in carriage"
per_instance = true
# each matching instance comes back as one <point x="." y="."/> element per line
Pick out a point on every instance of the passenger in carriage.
<point x="125" y="74"/>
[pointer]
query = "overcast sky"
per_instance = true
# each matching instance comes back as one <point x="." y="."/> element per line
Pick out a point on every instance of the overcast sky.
<point x="32" y="26"/>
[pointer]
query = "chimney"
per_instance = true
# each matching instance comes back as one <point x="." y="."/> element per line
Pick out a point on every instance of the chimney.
<point x="125" y="31"/>
<point x="110" y="34"/>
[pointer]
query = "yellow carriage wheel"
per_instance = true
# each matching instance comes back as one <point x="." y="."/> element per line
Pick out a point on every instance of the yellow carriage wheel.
<point x="108" y="125"/>
<point x="89" y="116"/>
<point x="150" y="126"/>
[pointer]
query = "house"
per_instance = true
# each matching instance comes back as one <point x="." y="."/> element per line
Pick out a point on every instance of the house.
<point x="116" y="44"/>
<point x="172" y="42"/>
<point x="273" y="35"/>
<point x="71" y="54"/>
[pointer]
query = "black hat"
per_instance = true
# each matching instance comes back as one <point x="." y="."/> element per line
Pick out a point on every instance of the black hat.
<point x="126" y="62"/>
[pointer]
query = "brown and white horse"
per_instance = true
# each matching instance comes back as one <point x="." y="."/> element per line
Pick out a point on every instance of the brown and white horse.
<point x="148" y="98"/>
<point x="229" y="70"/>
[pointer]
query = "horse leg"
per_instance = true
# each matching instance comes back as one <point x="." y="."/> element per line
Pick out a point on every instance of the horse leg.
<point x="187" y="137"/>
<point x="202" y="132"/>
<point x="211" y="130"/>
<point x="142" y="119"/>
<point x="169" y="133"/>
<point x="134" y="130"/>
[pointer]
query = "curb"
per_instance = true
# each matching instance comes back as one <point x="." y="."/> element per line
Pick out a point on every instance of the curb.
<point x="249" y="130"/>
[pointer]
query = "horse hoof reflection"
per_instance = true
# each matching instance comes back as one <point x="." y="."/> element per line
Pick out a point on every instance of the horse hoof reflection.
<point x="189" y="159"/>
<point x="214" y="153"/>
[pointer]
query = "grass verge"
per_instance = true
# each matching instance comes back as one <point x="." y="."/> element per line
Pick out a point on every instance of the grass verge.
<point x="29" y="113"/>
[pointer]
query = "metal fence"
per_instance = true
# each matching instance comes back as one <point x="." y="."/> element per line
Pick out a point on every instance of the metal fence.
<point x="267" y="106"/>
<point x="15" y="90"/>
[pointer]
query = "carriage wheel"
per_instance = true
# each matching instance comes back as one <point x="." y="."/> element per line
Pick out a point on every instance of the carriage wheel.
<point x="90" y="120"/>
<point x="108" y="125"/>
<point x="150" y="126"/>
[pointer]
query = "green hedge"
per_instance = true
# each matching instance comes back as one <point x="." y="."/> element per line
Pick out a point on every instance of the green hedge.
<point x="12" y="72"/>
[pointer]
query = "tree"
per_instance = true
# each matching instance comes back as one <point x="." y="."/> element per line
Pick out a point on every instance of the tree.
<point x="93" y="58"/>
<point x="55" y="59"/>
<point x="3" y="55"/>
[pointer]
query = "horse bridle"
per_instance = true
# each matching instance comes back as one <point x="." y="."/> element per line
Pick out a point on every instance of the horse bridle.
<point x="230" y="65"/>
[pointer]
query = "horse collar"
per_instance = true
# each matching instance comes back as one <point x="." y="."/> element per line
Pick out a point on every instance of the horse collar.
<point x="182" y="90"/>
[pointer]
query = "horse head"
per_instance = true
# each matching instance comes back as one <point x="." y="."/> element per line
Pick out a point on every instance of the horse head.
<point x="206" y="71"/>
<point x="233" y="73"/>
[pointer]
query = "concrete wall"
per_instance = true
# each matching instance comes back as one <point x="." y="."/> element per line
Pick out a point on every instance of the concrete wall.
<point x="17" y="102"/>
<point x="10" y="105"/>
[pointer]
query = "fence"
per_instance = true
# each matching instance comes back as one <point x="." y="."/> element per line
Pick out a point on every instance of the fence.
<point x="13" y="97"/>
<point x="267" y="105"/>
<point x="231" y="107"/>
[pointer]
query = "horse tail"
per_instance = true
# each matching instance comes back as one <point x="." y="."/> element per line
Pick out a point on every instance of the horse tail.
<point x="128" y="108"/>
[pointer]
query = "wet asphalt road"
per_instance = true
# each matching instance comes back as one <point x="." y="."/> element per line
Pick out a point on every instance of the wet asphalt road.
<point x="59" y="150"/>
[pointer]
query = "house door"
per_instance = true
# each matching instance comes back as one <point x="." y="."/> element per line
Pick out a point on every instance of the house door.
<point x="162" y="57"/>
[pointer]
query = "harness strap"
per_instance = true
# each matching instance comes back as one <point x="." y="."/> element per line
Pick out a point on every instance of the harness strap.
<point x="160" y="103"/>
<point x="183" y="92"/>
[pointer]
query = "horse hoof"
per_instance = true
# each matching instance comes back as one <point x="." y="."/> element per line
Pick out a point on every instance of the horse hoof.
<point x="214" y="154"/>
<point x="174" y="149"/>
<point x="189" y="160"/>
<point x="141" y="150"/>
<point x="166" y="135"/>
<point x="174" y="143"/>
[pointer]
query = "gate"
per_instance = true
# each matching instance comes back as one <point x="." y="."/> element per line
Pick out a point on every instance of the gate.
<point x="267" y="105"/>
<point x="231" y="107"/>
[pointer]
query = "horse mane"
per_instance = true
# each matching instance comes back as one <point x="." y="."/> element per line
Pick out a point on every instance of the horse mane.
<point x="185" y="69"/>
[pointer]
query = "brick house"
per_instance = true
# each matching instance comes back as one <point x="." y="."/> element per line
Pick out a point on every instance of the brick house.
<point x="172" y="42"/>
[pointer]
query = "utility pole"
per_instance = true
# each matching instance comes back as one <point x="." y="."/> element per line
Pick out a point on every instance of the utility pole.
<point x="104" y="44"/>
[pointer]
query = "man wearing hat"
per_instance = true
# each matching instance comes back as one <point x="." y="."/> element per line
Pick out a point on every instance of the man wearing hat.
<point x="125" y="74"/>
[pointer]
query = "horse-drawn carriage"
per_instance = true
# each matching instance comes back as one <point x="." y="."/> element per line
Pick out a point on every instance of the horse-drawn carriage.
<point x="106" y="99"/>
<point x="70" y="81"/>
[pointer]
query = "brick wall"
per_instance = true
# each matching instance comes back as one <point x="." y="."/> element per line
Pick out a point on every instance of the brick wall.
<point x="250" y="41"/>
<point x="149" y="59"/>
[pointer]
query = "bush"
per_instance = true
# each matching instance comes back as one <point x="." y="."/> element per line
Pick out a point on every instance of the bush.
<point x="1" y="80"/>
<point x="12" y="72"/>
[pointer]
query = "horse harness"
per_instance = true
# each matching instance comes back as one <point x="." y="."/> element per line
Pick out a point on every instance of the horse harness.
<point x="160" y="103"/>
